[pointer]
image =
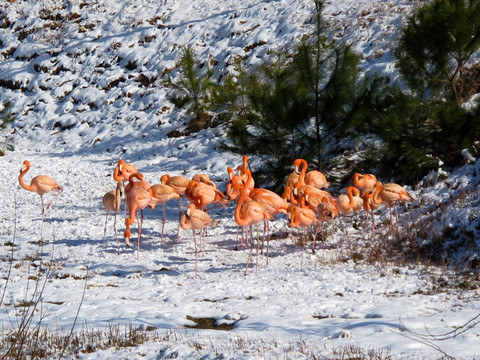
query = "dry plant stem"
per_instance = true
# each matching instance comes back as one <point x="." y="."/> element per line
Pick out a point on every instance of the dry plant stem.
<point x="10" y="265"/>
<point x="67" y="342"/>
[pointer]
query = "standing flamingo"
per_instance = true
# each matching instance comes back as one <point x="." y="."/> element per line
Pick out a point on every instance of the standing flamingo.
<point x="364" y="182"/>
<point x="122" y="173"/>
<point x="160" y="194"/>
<point x="372" y="201"/>
<point x="111" y="202"/>
<point x="41" y="184"/>
<point x="323" y="204"/>
<point x="273" y="203"/>
<point x="316" y="179"/>
<point x="348" y="203"/>
<point x="196" y="219"/>
<point x="138" y="198"/>
<point x="391" y="193"/>
<point x="201" y="195"/>
<point x="179" y="184"/>
<point x="249" y="212"/>
<point x="302" y="217"/>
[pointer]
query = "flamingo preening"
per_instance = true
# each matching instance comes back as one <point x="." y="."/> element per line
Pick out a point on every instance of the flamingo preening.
<point x="138" y="198"/>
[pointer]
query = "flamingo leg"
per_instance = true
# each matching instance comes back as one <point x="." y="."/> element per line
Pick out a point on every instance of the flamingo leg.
<point x="196" y="253"/>
<point x="251" y="248"/>
<point x="164" y="221"/>
<point x="105" y="231"/>
<point x="54" y="198"/>
<point x="179" y="217"/>
<point x="115" y="230"/>
<point x="43" y="218"/>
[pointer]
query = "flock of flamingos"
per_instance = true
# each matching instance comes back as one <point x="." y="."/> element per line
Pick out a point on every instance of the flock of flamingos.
<point x="304" y="200"/>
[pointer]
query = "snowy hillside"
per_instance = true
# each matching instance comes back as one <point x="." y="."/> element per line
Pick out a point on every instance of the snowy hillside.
<point x="84" y="81"/>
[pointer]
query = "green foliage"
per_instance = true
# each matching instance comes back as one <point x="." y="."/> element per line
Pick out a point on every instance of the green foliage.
<point x="193" y="86"/>
<point x="436" y="45"/>
<point x="429" y="126"/>
<point x="6" y="117"/>
<point x="300" y="103"/>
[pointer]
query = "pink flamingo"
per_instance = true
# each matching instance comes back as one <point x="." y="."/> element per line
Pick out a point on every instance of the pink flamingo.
<point x="40" y="184"/>
<point x="179" y="184"/>
<point x="249" y="212"/>
<point x="138" y="198"/>
<point x="111" y="202"/>
<point x="196" y="219"/>
<point x="160" y="194"/>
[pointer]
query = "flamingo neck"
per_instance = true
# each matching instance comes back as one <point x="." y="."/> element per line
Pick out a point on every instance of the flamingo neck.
<point x="22" y="182"/>
<point x="243" y="195"/>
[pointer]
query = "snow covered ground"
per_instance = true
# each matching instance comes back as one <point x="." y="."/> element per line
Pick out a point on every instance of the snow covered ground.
<point x="73" y="77"/>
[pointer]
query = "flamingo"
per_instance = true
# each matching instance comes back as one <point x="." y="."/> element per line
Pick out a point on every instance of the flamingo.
<point x="391" y="193"/>
<point x="160" y="194"/>
<point x="372" y="201"/>
<point x="323" y="204"/>
<point x="364" y="182"/>
<point x="302" y="217"/>
<point x="196" y="219"/>
<point x="138" y="198"/>
<point x="122" y="173"/>
<point x="273" y="203"/>
<point x="111" y="202"/>
<point x="179" y="184"/>
<point x="292" y="181"/>
<point x="201" y="195"/>
<point x="204" y="178"/>
<point x="241" y="170"/>
<point x="349" y="203"/>
<point x="316" y="179"/>
<point x="249" y="212"/>
<point x="234" y="184"/>
<point x="41" y="184"/>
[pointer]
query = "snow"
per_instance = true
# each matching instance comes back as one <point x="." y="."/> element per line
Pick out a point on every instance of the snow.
<point x="288" y="310"/>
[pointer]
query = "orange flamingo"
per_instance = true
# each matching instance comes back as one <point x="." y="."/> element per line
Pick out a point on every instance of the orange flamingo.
<point x="241" y="172"/>
<point x="372" y="201"/>
<point x="123" y="171"/>
<point x="249" y="212"/>
<point x="196" y="219"/>
<point x="391" y="193"/>
<point x="201" y="195"/>
<point x="111" y="202"/>
<point x="293" y="180"/>
<point x="303" y="217"/>
<point x="138" y="198"/>
<point x="160" y="194"/>
<point x="179" y="184"/>
<point x="273" y="203"/>
<point x="316" y="179"/>
<point x="364" y="182"/>
<point x="323" y="204"/>
<point x="40" y="184"/>
<point x="349" y="203"/>
<point x="235" y="184"/>
<point x="121" y="174"/>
